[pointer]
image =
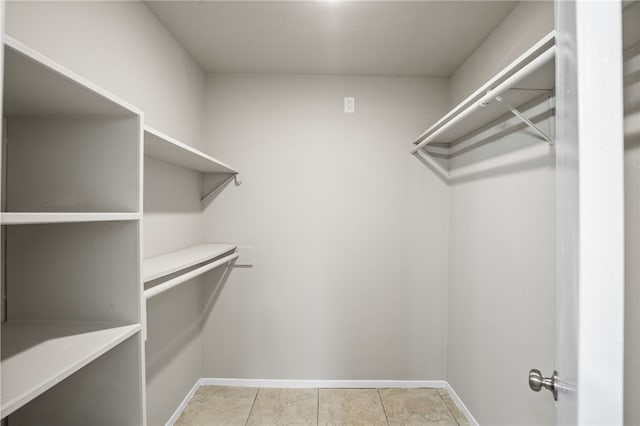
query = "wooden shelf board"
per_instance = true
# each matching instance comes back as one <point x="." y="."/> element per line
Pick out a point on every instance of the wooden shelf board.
<point x="38" y="355"/>
<point x="160" y="266"/>
<point x="36" y="86"/>
<point x="165" y="148"/>
<point x="19" y="218"/>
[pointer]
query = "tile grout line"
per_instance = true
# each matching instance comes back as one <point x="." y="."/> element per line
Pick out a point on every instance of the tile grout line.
<point x="318" y="407"/>
<point x="252" y="405"/>
<point x="447" y="407"/>
<point x="384" y="410"/>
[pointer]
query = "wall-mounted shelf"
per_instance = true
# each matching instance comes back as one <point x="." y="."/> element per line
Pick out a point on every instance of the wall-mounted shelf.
<point x="166" y="264"/>
<point x="36" y="356"/>
<point x="19" y="218"/>
<point x="521" y="82"/>
<point x="162" y="147"/>
<point x="165" y="148"/>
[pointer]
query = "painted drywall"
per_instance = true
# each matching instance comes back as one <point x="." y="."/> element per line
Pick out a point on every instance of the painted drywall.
<point x="501" y="311"/>
<point x="350" y="231"/>
<point x="501" y="279"/>
<point x="631" y="32"/>
<point x="527" y="23"/>
<point x="121" y="47"/>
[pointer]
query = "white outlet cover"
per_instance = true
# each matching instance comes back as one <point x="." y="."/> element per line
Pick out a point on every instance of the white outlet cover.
<point x="349" y="104"/>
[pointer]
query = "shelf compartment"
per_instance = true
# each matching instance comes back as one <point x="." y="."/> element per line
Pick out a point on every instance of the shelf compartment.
<point x="58" y="127"/>
<point x="19" y="218"/>
<point x="36" y="86"/>
<point x="72" y="272"/>
<point x="46" y="157"/>
<point x="38" y="355"/>
<point x="167" y="264"/>
<point x="167" y="149"/>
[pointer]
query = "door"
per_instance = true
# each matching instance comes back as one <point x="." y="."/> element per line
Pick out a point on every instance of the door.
<point x="590" y="213"/>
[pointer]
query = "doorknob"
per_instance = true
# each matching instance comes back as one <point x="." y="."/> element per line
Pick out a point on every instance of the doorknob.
<point x="537" y="382"/>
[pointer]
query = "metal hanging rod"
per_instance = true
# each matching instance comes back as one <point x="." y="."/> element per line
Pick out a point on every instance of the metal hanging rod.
<point x="168" y="285"/>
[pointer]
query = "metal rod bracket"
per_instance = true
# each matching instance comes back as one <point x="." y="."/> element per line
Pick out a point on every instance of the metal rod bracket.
<point x="206" y="194"/>
<point x="524" y="119"/>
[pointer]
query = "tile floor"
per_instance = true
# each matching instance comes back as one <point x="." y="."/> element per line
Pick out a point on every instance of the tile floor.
<point x="228" y="406"/>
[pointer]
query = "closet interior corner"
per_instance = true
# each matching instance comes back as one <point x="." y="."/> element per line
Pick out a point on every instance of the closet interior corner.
<point x="367" y="271"/>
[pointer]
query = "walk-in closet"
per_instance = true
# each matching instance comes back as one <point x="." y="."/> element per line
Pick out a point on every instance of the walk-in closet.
<point x="325" y="212"/>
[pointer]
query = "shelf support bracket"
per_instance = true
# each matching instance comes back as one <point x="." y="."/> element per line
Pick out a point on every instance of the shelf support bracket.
<point x="526" y="121"/>
<point x="216" y="184"/>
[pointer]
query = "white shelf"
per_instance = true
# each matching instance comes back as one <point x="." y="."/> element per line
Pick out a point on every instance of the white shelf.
<point x="527" y="78"/>
<point x="166" y="264"/>
<point x="530" y="88"/>
<point x="17" y="218"/>
<point x="165" y="148"/>
<point x="34" y="85"/>
<point x="37" y="356"/>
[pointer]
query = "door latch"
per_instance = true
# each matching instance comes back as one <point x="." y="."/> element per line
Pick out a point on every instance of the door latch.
<point x="537" y="382"/>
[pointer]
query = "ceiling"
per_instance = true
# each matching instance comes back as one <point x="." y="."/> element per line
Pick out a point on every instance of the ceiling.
<point x="431" y="38"/>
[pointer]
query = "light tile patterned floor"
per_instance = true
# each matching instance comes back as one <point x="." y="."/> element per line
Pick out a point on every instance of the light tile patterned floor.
<point x="228" y="406"/>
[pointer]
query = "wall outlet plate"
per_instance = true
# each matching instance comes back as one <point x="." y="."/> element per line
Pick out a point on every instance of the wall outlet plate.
<point x="349" y="104"/>
<point x="246" y="257"/>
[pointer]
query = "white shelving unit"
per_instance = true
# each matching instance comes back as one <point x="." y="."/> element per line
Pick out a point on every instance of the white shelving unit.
<point x="36" y="356"/>
<point x="165" y="148"/>
<point x="526" y="80"/>
<point x="72" y="351"/>
<point x="167" y="264"/>
<point x="205" y="256"/>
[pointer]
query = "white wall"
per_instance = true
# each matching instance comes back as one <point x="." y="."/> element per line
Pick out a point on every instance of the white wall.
<point x="501" y="316"/>
<point x="501" y="280"/>
<point x="123" y="48"/>
<point x="350" y="231"/>
<point x="631" y="32"/>
<point x="520" y="30"/>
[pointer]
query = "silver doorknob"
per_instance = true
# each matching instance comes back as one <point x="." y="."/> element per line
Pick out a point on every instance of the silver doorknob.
<point x="537" y="382"/>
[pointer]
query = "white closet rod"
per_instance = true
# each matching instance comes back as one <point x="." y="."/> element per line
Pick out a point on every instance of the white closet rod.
<point x="168" y="285"/>
<point x="491" y="95"/>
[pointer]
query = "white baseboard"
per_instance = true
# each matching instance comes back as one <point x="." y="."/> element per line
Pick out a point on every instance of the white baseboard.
<point x="344" y="384"/>
<point x="461" y="405"/>
<point x="183" y="404"/>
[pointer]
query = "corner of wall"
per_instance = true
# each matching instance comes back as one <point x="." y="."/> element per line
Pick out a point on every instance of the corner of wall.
<point x="527" y="23"/>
